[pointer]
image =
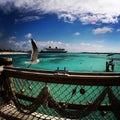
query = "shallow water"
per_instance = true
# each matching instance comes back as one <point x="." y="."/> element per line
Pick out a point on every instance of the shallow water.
<point x="80" y="62"/>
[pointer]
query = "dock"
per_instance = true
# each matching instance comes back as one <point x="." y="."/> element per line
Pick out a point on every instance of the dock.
<point x="58" y="94"/>
<point x="10" y="112"/>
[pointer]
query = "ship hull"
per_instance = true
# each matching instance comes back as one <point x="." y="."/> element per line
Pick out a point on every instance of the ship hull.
<point x="53" y="51"/>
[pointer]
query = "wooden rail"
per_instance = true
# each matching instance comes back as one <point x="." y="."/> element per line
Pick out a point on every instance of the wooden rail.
<point x="63" y="77"/>
<point x="10" y="112"/>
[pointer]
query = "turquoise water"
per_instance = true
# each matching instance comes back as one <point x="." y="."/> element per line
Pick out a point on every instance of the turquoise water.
<point x="72" y="61"/>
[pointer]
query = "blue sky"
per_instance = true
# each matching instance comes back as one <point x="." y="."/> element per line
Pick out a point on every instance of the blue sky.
<point x="77" y="25"/>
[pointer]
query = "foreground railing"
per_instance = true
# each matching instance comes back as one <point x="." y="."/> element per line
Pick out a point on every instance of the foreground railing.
<point x="63" y="94"/>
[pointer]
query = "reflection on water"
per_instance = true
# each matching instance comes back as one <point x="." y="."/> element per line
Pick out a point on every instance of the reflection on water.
<point x="83" y="62"/>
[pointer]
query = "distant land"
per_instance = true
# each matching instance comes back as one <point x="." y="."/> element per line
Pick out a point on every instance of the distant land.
<point x="101" y="52"/>
<point x="2" y="51"/>
<point x="6" y="53"/>
<point x="10" y="51"/>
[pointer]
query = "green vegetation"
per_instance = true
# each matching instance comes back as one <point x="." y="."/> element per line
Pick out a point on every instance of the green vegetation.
<point x="10" y="50"/>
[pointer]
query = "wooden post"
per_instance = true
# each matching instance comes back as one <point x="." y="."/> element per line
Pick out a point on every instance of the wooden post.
<point x="3" y="78"/>
<point x="5" y="61"/>
<point x="107" y="67"/>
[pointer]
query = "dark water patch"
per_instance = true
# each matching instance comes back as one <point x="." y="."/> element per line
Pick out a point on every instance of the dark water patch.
<point x="117" y="59"/>
<point x="96" y="56"/>
<point x="56" y="60"/>
<point x="111" y="54"/>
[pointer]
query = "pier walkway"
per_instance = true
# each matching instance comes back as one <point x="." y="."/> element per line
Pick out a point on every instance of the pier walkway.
<point x="28" y="94"/>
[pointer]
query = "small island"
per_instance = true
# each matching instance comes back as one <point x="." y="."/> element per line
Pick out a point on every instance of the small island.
<point x="5" y="52"/>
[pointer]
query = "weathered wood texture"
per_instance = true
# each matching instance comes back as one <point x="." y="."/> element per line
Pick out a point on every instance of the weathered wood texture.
<point x="89" y="78"/>
<point x="10" y="112"/>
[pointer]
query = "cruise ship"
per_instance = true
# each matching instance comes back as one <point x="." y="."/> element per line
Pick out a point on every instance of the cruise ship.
<point x="53" y="50"/>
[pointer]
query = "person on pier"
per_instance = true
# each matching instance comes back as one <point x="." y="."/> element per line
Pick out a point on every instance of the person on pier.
<point x="110" y="66"/>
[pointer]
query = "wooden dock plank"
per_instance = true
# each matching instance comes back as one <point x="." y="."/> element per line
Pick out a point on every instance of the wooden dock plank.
<point x="8" y="112"/>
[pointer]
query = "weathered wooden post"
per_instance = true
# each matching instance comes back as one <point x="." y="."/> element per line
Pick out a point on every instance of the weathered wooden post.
<point x="5" y="61"/>
<point x="107" y="67"/>
<point x="3" y="78"/>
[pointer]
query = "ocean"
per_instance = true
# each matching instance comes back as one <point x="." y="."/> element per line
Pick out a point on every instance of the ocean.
<point x="77" y="62"/>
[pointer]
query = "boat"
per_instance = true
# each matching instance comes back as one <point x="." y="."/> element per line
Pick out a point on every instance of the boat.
<point x="53" y="50"/>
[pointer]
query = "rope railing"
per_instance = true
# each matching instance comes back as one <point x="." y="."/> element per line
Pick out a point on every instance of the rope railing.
<point x="64" y="94"/>
<point x="61" y="94"/>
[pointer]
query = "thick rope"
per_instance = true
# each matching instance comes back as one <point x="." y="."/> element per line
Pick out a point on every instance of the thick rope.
<point x="46" y="99"/>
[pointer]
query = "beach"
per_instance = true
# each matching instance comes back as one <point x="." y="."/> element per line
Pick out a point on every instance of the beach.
<point x="6" y="53"/>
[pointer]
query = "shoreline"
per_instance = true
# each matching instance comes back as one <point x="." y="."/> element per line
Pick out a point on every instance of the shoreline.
<point x="12" y="53"/>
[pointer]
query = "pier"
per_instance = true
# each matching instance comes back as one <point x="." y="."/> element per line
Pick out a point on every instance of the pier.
<point x="58" y="94"/>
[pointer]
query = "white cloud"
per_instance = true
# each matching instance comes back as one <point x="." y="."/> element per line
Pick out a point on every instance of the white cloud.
<point x="105" y="11"/>
<point x="14" y="44"/>
<point x="18" y="45"/>
<point x="28" y="19"/>
<point x="99" y="41"/>
<point x="28" y="35"/>
<point x="102" y="30"/>
<point x="79" y="47"/>
<point x="42" y="44"/>
<point x="12" y="37"/>
<point x="77" y="33"/>
<point x="26" y="45"/>
<point x="85" y="47"/>
<point x="71" y="47"/>
<point x="118" y="30"/>
<point x="91" y="47"/>
<point x="67" y="17"/>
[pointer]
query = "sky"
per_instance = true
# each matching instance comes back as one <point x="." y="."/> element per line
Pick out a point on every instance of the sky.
<point x="76" y="25"/>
